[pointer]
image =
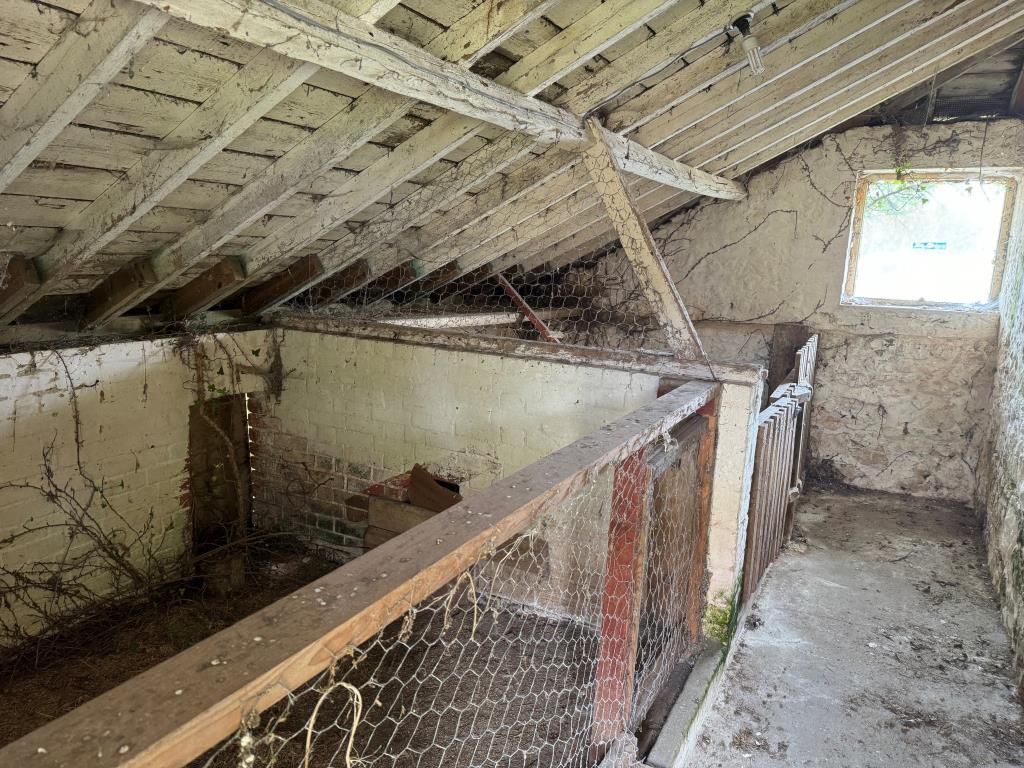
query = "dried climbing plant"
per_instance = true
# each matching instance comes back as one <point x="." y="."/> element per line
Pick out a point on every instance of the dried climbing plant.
<point x="102" y="557"/>
<point x="108" y="560"/>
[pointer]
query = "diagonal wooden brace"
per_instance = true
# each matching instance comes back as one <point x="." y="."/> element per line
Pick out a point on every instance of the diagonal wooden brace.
<point x="640" y="248"/>
<point x="539" y="325"/>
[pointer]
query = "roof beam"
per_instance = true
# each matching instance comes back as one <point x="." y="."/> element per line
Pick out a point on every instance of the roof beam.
<point x="1017" y="97"/>
<point x="120" y="289"/>
<point x="353" y="126"/>
<point x="656" y="51"/>
<point x="640" y="161"/>
<point x="619" y="17"/>
<point x="17" y="278"/>
<point x="217" y="280"/>
<point x="323" y="35"/>
<point x="641" y="251"/>
<point x="369" y="11"/>
<point x="884" y="75"/>
<point x="254" y="90"/>
<point x="298" y="273"/>
<point x="90" y="53"/>
<point x="448" y="187"/>
<point x="595" y="31"/>
<point x="763" y="118"/>
<point x="482" y="320"/>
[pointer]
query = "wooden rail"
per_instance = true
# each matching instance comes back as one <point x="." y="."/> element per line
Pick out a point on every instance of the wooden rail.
<point x="654" y="363"/>
<point x="168" y="715"/>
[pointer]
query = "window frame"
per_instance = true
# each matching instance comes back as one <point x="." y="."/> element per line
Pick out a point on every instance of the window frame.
<point x="864" y="180"/>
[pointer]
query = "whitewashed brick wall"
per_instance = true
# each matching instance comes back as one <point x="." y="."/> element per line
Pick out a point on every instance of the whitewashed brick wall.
<point x="133" y="403"/>
<point x="351" y="413"/>
<point x="356" y="412"/>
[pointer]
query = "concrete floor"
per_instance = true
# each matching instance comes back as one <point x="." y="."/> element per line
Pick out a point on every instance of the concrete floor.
<point x="874" y="641"/>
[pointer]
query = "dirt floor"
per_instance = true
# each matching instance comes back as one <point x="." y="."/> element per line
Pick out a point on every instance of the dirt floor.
<point x="874" y="641"/>
<point x="85" y="663"/>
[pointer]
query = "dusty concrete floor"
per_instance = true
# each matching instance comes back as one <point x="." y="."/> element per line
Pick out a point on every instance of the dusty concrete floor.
<point x="874" y="641"/>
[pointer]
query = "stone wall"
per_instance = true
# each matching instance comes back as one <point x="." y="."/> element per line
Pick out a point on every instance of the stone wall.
<point x="1002" y="494"/>
<point x="903" y="396"/>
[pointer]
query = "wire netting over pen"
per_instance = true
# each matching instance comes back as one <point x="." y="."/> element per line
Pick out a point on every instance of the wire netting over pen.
<point x="542" y="653"/>
<point x="592" y="301"/>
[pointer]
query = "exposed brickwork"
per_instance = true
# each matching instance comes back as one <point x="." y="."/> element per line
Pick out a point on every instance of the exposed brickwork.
<point x="295" y="487"/>
<point x="132" y="403"/>
<point x="356" y="413"/>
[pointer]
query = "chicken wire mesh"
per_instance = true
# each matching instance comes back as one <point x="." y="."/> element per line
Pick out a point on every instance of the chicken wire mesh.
<point x="593" y="301"/>
<point x="542" y="653"/>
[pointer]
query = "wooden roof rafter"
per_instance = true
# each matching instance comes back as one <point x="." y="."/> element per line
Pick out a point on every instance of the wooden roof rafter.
<point x="101" y="42"/>
<point x="550" y="176"/>
<point x="462" y="199"/>
<point x="959" y="33"/>
<point x="349" y="129"/>
<point x="256" y="88"/>
<point x="781" y="117"/>
<point x="318" y="33"/>
<point x="598" y="29"/>
<point x="576" y="44"/>
<point x="616" y="19"/>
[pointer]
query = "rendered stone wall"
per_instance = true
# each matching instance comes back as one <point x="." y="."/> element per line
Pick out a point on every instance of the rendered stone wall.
<point x="1002" y="493"/>
<point x="904" y="395"/>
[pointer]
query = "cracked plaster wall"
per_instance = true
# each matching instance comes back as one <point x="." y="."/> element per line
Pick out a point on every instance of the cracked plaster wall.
<point x="903" y="394"/>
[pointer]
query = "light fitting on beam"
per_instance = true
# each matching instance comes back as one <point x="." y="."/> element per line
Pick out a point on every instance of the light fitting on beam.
<point x="751" y="45"/>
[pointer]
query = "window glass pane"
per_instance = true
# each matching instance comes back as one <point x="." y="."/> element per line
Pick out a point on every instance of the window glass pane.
<point x="929" y="240"/>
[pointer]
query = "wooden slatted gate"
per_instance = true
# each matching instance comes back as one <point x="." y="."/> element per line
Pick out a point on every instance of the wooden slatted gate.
<point x="779" y="463"/>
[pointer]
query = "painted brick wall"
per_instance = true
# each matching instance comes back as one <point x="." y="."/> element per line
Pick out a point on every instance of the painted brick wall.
<point x="354" y="413"/>
<point x="133" y="402"/>
<point x="330" y="416"/>
<point x="133" y="430"/>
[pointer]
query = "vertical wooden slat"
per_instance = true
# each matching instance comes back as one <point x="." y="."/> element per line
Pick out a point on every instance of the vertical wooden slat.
<point x="705" y="482"/>
<point x="621" y="599"/>
<point x="755" y="515"/>
<point x="640" y="248"/>
<point x="779" y="459"/>
<point x="797" y="473"/>
<point x="775" y="459"/>
<point x="787" y="446"/>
